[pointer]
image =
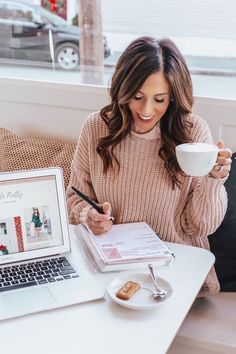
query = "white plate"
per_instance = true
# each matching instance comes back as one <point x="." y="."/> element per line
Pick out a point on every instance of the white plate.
<point x="142" y="299"/>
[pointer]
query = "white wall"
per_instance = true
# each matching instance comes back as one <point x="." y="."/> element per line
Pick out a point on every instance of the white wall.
<point x="34" y="108"/>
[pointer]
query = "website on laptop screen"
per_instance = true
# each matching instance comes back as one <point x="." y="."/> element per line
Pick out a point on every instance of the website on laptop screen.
<point x="29" y="215"/>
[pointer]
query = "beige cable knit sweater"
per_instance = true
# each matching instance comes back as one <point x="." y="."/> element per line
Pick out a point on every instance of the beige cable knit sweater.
<point x="142" y="191"/>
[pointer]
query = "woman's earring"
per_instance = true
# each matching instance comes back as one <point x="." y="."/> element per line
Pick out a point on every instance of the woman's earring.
<point x="171" y="100"/>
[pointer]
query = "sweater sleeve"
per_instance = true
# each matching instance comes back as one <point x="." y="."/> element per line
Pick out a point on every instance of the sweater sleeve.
<point x="205" y="208"/>
<point x="207" y="200"/>
<point x="80" y="177"/>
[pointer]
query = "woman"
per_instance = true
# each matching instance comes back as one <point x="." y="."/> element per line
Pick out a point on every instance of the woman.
<point x="36" y="221"/>
<point x="125" y="159"/>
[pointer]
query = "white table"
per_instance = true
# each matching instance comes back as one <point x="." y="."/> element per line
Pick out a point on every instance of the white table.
<point x="104" y="327"/>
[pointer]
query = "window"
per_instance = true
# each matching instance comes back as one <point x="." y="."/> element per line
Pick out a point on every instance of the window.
<point x="201" y="28"/>
<point x="3" y="228"/>
<point x="14" y="11"/>
<point x="205" y="32"/>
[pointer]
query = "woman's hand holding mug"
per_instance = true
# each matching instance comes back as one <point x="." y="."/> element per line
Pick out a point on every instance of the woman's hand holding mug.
<point x="223" y="162"/>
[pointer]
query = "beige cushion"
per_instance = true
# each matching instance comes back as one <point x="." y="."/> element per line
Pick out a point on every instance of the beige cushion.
<point x="20" y="153"/>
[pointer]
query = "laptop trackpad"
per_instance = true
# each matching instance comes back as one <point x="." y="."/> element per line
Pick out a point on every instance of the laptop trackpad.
<point x="29" y="300"/>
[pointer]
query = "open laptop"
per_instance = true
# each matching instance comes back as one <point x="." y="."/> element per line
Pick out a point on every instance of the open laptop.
<point x="36" y="273"/>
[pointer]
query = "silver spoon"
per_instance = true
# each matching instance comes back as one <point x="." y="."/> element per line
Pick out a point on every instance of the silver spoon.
<point x="159" y="292"/>
<point x="155" y="294"/>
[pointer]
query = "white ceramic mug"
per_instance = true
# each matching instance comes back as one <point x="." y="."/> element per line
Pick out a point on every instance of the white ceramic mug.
<point x="196" y="159"/>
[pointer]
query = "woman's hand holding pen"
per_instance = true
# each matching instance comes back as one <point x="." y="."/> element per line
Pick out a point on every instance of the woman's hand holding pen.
<point x="98" y="217"/>
<point x="99" y="223"/>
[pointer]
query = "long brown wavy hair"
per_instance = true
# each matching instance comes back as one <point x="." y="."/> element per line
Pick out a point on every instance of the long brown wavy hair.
<point x="143" y="57"/>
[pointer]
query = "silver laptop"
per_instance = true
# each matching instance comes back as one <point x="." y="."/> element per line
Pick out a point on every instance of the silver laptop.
<point x="36" y="272"/>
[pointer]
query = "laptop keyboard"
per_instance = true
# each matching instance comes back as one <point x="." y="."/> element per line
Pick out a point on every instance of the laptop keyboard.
<point x="36" y="273"/>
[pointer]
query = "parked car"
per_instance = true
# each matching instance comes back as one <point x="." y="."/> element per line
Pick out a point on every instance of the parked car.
<point x="24" y="34"/>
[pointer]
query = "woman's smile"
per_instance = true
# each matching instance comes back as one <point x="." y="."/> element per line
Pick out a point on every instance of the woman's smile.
<point x="145" y="117"/>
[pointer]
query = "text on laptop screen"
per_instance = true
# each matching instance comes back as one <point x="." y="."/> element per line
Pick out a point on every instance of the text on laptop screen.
<point x="29" y="215"/>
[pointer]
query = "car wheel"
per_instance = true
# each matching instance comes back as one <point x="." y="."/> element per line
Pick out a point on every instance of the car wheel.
<point x="67" y="55"/>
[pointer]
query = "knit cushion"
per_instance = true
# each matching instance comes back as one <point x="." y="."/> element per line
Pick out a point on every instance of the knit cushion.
<point x="223" y="241"/>
<point x="20" y="153"/>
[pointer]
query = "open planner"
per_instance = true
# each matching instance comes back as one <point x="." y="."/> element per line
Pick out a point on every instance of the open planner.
<point x="125" y="246"/>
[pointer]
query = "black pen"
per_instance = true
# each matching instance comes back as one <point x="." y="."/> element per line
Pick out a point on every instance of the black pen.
<point x="89" y="201"/>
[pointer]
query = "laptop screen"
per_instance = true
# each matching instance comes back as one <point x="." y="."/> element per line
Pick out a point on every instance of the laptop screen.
<point x="29" y="214"/>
